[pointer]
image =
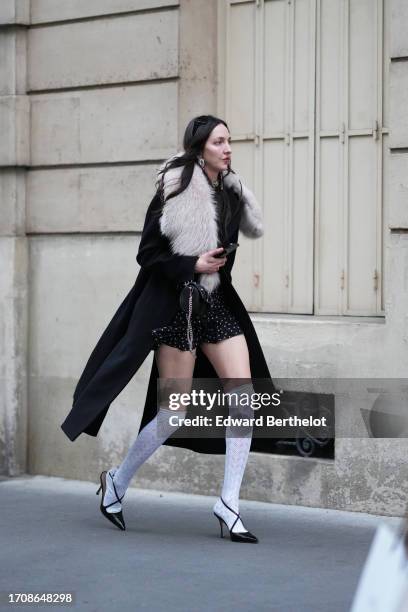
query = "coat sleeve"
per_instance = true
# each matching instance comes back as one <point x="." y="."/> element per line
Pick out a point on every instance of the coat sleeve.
<point x="155" y="253"/>
<point x="231" y="257"/>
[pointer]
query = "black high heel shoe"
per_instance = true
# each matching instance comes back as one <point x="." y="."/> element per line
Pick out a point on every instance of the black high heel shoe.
<point x="114" y="517"/>
<point x="245" y="536"/>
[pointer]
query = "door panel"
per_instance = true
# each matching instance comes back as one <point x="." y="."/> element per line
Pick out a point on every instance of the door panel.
<point x="304" y="89"/>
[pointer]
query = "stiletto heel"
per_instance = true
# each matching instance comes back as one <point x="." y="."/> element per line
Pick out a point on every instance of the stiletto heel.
<point x="221" y="522"/>
<point x="245" y="536"/>
<point x="114" y="517"/>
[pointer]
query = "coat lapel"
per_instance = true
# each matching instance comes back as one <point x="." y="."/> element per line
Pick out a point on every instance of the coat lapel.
<point x="189" y="220"/>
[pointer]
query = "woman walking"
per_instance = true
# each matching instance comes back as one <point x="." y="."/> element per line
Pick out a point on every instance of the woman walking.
<point x="200" y="205"/>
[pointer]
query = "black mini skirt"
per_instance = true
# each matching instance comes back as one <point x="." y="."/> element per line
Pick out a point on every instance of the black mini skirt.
<point x="217" y="324"/>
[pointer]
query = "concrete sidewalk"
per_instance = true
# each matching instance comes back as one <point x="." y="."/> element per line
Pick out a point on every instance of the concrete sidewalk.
<point x="54" y="539"/>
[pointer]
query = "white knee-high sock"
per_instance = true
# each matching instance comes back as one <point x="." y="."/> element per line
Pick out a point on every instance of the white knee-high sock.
<point x="236" y="457"/>
<point x="149" y="439"/>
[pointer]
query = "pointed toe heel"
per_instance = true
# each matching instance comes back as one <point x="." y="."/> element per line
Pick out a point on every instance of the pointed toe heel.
<point x="114" y="517"/>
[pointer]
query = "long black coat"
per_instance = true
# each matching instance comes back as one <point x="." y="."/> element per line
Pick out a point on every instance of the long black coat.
<point x="126" y="342"/>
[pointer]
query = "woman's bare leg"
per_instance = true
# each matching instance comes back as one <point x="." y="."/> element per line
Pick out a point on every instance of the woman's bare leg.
<point x="230" y="359"/>
<point x="175" y="370"/>
<point x="175" y="367"/>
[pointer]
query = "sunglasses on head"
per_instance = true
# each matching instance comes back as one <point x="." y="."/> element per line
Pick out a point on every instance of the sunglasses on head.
<point x="197" y="124"/>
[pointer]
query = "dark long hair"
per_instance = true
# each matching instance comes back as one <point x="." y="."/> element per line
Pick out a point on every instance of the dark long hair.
<point x="195" y="136"/>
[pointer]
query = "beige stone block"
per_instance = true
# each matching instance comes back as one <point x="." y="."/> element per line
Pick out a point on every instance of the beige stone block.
<point x="131" y="123"/>
<point x="43" y="11"/>
<point x="53" y="453"/>
<point x="89" y="199"/>
<point x="13" y="353"/>
<point x="300" y="346"/>
<point x="76" y="285"/>
<point x="398" y="28"/>
<point x="50" y="452"/>
<point x="12" y="201"/>
<point x="118" y="50"/>
<point x="398" y="95"/>
<point x="14" y="130"/>
<point x="398" y="191"/>
<point x="13" y="62"/>
<point x="15" y="12"/>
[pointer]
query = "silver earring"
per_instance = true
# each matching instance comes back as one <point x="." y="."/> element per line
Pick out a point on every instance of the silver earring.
<point x="201" y="161"/>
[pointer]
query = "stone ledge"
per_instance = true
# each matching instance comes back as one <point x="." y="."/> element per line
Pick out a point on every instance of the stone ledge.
<point x="271" y="319"/>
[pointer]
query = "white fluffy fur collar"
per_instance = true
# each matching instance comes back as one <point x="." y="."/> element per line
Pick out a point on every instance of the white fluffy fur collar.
<point x="189" y="219"/>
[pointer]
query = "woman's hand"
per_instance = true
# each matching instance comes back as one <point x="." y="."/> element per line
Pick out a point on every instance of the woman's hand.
<point x="208" y="263"/>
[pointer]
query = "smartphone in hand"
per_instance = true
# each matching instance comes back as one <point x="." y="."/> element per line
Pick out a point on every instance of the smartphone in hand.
<point x="228" y="248"/>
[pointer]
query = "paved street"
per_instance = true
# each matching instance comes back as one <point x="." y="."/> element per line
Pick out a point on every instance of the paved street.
<point x="54" y="539"/>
